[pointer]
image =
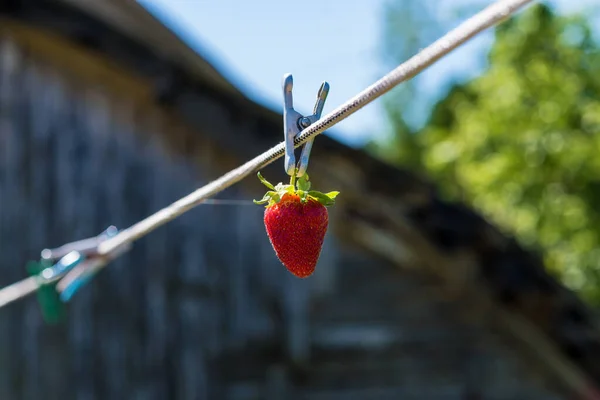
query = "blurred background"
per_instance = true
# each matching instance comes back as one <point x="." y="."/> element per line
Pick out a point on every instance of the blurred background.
<point x="110" y="110"/>
<point x="528" y="171"/>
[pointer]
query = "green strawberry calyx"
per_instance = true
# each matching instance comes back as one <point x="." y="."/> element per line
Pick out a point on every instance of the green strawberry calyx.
<point x="298" y="186"/>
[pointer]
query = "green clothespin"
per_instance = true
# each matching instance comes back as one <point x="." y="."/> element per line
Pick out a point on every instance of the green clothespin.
<point x="52" y="308"/>
<point x="56" y="263"/>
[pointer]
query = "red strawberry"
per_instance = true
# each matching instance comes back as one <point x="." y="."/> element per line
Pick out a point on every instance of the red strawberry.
<point x="296" y="221"/>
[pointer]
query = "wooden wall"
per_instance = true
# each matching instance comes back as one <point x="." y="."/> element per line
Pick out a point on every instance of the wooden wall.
<point x="200" y="308"/>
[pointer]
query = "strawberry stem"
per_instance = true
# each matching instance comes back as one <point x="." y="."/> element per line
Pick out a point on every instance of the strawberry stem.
<point x="278" y="191"/>
<point x="265" y="182"/>
<point x="293" y="177"/>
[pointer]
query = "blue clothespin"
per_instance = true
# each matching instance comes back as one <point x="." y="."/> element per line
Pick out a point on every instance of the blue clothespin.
<point x="79" y="277"/>
<point x="294" y="123"/>
<point x="83" y="273"/>
<point x="57" y="264"/>
<point x="64" y="265"/>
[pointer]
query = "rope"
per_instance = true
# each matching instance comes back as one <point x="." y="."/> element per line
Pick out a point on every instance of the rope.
<point x="486" y="18"/>
<point x="491" y="15"/>
<point x="18" y="290"/>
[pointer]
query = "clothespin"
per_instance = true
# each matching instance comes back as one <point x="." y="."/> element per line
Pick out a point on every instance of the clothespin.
<point x="81" y="274"/>
<point x="87" y="247"/>
<point x="78" y="277"/>
<point x="52" y="309"/>
<point x="294" y="123"/>
<point x="58" y="263"/>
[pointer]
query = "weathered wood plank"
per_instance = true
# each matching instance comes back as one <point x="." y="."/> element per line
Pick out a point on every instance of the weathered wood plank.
<point x="11" y="327"/>
<point x="73" y="221"/>
<point x="42" y="119"/>
<point x="157" y="316"/>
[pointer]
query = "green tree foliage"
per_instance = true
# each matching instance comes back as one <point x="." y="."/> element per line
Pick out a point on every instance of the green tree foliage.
<point x="521" y="142"/>
<point x="408" y="27"/>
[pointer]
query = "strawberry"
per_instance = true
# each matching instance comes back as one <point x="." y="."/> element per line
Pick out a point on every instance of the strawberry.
<point x="296" y="221"/>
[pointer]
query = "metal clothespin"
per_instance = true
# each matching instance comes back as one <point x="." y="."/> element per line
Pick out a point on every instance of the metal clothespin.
<point x="294" y="123"/>
<point x="59" y="263"/>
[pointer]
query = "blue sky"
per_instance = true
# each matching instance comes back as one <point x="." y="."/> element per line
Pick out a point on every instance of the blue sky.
<point x="253" y="43"/>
